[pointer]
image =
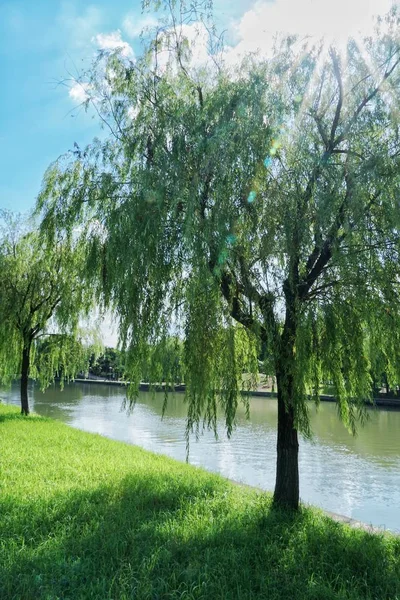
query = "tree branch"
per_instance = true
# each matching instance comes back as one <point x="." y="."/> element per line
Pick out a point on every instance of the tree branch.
<point x="363" y="103"/>
<point x="236" y="310"/>
<point x="336" y="118"/>
<point x="320" y="258"/>
<point x="49" y="314"/>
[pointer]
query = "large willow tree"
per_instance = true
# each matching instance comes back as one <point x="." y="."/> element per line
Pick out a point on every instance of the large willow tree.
<point x="41" y="302"/>
<point x="247" y="207"/>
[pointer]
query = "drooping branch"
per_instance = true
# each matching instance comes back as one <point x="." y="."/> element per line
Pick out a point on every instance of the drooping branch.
<point x="336" y="118"/>
<point x="331" y="144"/>
<point x="339" y="139"/>
<point x="322" y="251"/>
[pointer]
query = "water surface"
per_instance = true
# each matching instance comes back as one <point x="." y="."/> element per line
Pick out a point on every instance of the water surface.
<point x="357" y="477"/>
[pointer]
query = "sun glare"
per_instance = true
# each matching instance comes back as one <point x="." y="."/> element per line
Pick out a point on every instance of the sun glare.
<point x="341" y="19"/>
<point x="334" y="20"/>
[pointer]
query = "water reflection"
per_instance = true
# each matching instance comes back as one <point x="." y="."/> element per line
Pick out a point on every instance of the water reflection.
<point x="358" y="477"/>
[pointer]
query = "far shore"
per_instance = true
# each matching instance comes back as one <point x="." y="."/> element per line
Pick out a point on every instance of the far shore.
<point x="380" y="401"/>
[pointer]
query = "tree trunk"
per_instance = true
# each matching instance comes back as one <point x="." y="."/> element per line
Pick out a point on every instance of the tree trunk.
<point x="287" y="465"/>
<point x="286" y="492"/>
<point x="24" y="379"/>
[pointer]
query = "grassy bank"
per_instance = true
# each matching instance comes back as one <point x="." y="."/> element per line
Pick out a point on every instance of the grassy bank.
<point x="84" y="517"/>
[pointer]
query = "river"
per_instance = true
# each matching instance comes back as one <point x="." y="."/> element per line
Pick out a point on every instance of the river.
<point x="354" y="476"/>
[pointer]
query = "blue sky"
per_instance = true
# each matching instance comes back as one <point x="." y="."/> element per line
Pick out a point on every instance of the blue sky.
<point x="44" y="41"/>
<point x="41" y="42"/>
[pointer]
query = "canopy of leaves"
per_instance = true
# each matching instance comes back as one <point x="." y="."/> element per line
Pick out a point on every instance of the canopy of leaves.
<point x="228" y="205"/>
<point x="109" y="364"/>
<point x="41" y="302"/>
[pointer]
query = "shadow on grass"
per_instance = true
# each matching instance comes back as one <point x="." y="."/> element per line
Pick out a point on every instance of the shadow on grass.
<point x="17" y="416"/>
<point x="11" y="417"/>
<point x="154" y="538"/>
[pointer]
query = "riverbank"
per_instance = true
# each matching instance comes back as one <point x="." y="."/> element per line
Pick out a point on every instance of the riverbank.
<point x="380" y="401"/>
<point x="82" y="516"/>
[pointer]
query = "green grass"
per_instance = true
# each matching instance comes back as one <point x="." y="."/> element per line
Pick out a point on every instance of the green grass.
<point x="84" y="517"/>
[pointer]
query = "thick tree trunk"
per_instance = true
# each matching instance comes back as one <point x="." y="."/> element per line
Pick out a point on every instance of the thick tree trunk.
<point x="287" y="466"/>
<point x="24" y="379"/>
<point x="286" y="492"/>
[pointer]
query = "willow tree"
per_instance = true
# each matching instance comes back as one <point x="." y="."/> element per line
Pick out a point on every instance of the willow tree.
<point x="249" y="206"/>
<point x="41" y="302"/>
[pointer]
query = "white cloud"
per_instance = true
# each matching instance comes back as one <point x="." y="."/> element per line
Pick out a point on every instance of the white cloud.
<point x="333" y="19"/>
<point x="258" y="27"/>
<point x="198" y="38"/>
<point x="134" y="26"/>
<point x="195" y="58"/>
<point x="254" y="31"/>
<point x="113" y="41"/>
<point x="79" y="92"/>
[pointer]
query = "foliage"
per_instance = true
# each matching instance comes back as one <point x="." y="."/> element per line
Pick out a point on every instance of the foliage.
<point x="109" y="364"/>
<point x="82" y="516"/>
<point x="164" y="362"/>
<point x="265" y="196"/>
<point x="41" y="303"/>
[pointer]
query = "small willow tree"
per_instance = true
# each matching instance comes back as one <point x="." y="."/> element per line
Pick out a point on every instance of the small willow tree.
<point x="41" y="302"/>
<point x="250" y="207"/>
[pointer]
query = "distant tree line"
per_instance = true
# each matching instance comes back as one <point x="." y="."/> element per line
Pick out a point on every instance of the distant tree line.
<point x="108" y="365"/>
<point x="163" y="363"/>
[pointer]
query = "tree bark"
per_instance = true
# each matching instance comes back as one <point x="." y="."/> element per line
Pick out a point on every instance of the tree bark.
<point x="24" y="379"/>
<point x="286" y="492"/>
